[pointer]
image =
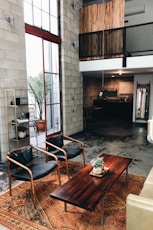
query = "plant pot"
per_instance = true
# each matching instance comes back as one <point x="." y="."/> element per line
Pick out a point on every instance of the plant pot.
<point x="22" y="134"/>
<point x="98" y="170"/>
<point x="41" y="125"/>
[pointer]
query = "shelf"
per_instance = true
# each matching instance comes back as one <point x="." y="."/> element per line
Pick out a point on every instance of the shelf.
<point x="19" y="139"/>
<point x="16" y="106"/>
<point x="12" y="106"/>
<point x="20" y="121"/>
<point x="15" y="111"/>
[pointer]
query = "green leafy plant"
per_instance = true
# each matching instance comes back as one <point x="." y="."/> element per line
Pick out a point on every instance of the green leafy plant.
<point x="97" y="162"/>
<point x="36" y="89"/>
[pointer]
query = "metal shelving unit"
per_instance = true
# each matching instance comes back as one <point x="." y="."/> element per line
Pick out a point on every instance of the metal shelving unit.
<point x="17" y="115"/>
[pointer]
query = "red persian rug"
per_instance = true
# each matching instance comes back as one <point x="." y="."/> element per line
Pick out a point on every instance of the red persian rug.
<point x="18" y="212"/>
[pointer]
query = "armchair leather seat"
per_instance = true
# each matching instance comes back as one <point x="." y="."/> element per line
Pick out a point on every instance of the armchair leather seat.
<point x="38" y="170"/>
<point x="23" y="165"/>
<point x="71" y="153"/>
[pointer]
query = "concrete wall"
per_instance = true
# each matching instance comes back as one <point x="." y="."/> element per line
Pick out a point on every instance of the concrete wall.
<point x="13" y="66"/>
<point x="72" y="85"/>
<point x="12" y="60"/>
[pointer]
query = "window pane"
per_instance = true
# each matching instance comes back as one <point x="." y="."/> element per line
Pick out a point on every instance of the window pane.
<point x="28" y="13"/>
<point x="45" y="21"/>
<point x="54" y="25"/>
<point x="37" y="17"/>
<point x="47" y="56"/>
<point x="45" y="5"/>
<point x="55" y="89"/>
<point x="51" y="54"/>
<point x="52" y="103"/>
<point x="53" y="119"/>
<point x="54" y="8"/>
<point x="55" y="55"/>
<point x="29" y="1"/>
<point x="49" y="86"/>
<point x="34" y="55"/>
<point x="37" y="3"/>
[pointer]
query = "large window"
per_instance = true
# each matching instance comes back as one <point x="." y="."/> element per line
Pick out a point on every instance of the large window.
<point x="42" y="54"/>
<point x="42" y="14"/>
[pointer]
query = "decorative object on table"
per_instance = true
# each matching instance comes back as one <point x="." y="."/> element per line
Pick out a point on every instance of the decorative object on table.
<point x="22" y="131"/>
<point x="104" y="172"/>
<point x="98" y="165"/>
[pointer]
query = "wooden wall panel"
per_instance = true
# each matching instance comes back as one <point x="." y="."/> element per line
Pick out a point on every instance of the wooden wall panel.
<point x="102" y="16"/>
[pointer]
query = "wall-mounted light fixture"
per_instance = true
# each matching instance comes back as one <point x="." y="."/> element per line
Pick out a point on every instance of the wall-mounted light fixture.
<point x="75" y="44"/>
<point x="76" y="5"/>
<point x="10" y="19"/>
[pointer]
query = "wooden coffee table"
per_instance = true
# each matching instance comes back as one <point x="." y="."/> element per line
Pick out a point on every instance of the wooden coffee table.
<point x="85" y="190"/>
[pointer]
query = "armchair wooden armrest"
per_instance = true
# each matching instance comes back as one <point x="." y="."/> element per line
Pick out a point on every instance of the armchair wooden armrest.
<point x="58" y="148"/>
<point x="55" y="144"/>
<point x="21" y="166"/>
<point x="75" y="140"/>
<point x="47" y="153"/>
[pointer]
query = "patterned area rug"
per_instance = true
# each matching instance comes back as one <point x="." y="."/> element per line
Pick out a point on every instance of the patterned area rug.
<point x="18" y="212"/>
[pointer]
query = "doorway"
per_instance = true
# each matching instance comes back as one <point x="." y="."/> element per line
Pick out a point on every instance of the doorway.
<point x="42" y="57"/>
<point x="142" y="101"/>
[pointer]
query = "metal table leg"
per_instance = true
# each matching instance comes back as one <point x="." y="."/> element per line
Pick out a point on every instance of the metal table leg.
<point x="126" y="177"/>
<point x="102" y="211"/>
<point x="65" y="206"/>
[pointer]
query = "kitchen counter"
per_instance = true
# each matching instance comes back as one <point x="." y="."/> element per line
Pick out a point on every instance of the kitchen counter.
<point x="113" y="108"/>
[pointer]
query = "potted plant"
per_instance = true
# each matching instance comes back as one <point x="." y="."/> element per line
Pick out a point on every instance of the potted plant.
<point x="98" y="165"/>
<point x="36" y="89"/>
<point x="22" y="131"/>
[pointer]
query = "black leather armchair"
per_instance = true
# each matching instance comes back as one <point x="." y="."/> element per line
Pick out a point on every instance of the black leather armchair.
<point x="23" y="165"/>
<point x="55" y="144"/>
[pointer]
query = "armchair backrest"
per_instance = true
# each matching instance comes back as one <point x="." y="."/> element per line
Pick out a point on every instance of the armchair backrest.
<point x="23" y="156"/>
<point x="56" y="140"/>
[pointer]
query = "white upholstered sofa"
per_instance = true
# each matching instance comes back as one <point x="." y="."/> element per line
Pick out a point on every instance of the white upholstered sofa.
<point x="139" y="208"/>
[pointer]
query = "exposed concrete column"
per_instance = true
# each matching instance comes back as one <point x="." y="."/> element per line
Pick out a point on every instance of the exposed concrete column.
<point x="72" y="84"/>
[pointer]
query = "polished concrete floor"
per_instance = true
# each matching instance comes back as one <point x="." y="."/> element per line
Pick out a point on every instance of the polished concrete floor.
<point x="118" y="137"/>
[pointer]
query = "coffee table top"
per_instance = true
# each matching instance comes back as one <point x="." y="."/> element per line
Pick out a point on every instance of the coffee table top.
<point x="85" y="190"/>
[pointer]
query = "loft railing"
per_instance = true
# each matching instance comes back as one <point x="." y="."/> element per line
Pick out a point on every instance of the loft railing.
<point x="121" y="42"/>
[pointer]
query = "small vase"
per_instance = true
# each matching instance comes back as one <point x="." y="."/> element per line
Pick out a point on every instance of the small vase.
<point x="22" y="134"/>
<point x="97" y="170"/>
